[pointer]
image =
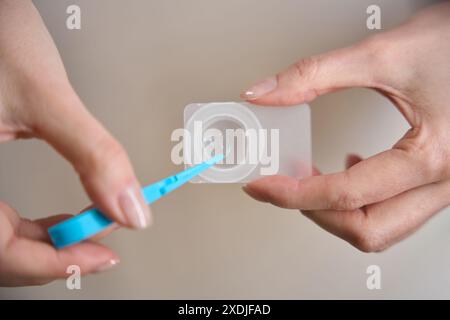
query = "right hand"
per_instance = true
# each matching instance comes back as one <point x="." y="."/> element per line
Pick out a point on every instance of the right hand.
<point x="380" y="200"/>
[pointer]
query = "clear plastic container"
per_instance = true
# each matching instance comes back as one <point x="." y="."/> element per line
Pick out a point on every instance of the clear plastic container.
<point x="257" y="141"/>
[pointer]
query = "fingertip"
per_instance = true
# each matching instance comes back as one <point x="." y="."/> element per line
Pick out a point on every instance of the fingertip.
<point x="260" y="89"/>
<point x="116" y="192"/>
<point x="277" y="190"/>
<point x="90" y="257"/>
<point x="284" y="89"/>
<point x="271" y="182"/>
<point x="281" y="98"/>
<point x="253" y="193"/>
<point x="106" y="265"/>
<point x="134" y="207"/>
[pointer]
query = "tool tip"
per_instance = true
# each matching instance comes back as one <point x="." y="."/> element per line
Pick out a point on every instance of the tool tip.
<point x="215" y="159"/>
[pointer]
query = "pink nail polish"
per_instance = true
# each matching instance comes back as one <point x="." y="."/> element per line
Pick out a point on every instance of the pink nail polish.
<point x="108" y="265"/>
<point x="137" y="212"/>
<point x="260" y="89"/>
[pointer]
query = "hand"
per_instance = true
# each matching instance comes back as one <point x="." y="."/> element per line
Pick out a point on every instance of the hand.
<point x="37" y="100"/>
<point x="381" y="200"/>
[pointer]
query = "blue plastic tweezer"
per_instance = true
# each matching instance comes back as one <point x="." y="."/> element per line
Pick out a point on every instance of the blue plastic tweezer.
<point x="92" y="221"/>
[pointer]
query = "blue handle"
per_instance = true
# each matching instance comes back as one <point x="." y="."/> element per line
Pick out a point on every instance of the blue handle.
<point x="92" y="221"/>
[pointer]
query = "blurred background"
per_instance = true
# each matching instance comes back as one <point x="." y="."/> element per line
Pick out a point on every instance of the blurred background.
<point x="136" y="64"/>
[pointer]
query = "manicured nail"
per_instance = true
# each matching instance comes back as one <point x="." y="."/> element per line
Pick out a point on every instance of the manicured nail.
<point x="134" y="208"/>
<point x="260" y="89"/>
<point x="108" y="265"/>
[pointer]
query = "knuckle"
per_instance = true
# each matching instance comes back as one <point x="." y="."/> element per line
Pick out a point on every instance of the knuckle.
<point x="378" y="53"/>
<point x="111" y="149"/>
<point x="105" y="155"/>
<point x="367" y="240"/>
<point x="375" y="44"/>
<point x="299" y="77"/>
<point x="346" y="199"/>
<point x="437" y="161"/>
<point x="435" y="165"/>
<point x="429" y="157"/>
<point x="306" y="68"/>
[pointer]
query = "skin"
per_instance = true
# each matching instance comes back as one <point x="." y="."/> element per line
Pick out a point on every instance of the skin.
<point x="37" y="100"/>
<point x="378" y="201"/>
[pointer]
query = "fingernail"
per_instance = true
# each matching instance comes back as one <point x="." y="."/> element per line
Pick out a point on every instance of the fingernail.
<point x="260" y="89"/>
<point x="134" y="208"/>
<point x="108" y="265"/>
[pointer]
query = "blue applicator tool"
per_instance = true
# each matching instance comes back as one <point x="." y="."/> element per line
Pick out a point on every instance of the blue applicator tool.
<point x="92" y="221"/>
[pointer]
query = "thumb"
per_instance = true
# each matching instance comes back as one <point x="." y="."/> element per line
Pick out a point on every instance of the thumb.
<point x="354" y="66"/>
<point x="100" y="161"/>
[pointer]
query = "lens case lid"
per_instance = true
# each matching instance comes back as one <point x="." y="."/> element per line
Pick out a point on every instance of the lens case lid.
<point x="213" y="113"/>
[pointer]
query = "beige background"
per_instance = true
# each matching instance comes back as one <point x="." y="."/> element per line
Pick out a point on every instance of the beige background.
<point x="136" y="64"/>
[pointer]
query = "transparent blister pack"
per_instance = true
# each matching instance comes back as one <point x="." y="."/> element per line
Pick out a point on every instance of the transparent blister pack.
<point x="256" y="141"/>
